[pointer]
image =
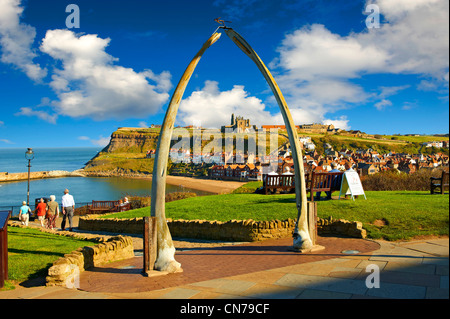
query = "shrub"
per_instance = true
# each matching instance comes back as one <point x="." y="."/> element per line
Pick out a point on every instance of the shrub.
<point x="179" y="195"/>
<point x="145" y="201"/>
<point x="394" y="180"/>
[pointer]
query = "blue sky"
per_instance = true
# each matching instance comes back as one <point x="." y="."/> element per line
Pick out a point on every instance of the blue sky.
<point x="63" y="87"/>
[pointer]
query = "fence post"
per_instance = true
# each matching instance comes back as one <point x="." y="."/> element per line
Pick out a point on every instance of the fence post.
<point x="150" y="244"/>
<point x="4" y="217"/>
<point x="312" y="221"/>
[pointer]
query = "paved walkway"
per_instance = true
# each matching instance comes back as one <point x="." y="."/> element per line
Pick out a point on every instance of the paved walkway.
<point x="269" y="270"/>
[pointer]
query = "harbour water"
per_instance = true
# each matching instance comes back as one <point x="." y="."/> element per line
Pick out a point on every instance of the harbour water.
<point x="84" y="189"/>
<point x="12" y="160"/>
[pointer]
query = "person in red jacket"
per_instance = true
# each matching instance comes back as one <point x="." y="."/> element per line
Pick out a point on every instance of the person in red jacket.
<point x="41" y="209"/>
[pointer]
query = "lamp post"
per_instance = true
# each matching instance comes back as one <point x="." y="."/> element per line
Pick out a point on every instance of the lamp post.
<point x="29" y="155"/>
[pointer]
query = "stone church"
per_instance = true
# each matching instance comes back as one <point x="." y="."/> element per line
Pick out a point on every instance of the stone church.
<point x="239" y="125"/>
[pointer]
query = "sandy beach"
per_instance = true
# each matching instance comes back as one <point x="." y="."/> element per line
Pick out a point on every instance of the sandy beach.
<point x="207" y="185"/>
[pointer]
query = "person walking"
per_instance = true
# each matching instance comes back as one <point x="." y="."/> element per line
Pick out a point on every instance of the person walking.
<point x="52" y="212"/>
<point x="68" y="208"/>
<point x="24" y="212"/>
<point x="41" y="209"/>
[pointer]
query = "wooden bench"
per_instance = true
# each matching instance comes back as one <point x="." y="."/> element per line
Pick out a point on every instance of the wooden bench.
<point x="315" y="182"/>
<point x="101" y="207"/>
<point x="273" y="183"/>
<point x="439" y="182"/>
<point x="323" y="182"/>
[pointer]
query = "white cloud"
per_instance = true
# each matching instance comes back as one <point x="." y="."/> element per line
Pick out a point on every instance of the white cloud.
<point x="387" y="91"/>
<point x="213" y="108"/>
<point x="16" y="40"/>
<point x="2" y="123"/>
<point x="27" y="111"/>
<point x="6" y="141"/>
<point x="409" y="105"/>
<point x="101" y="141"/>
<point x="89" y="84"/>
<point x="317" y="68"/>
<point x="393" y="9"/>
<point x="416" y="37"/>
<point x="314" y="51"/>
<point x="342" y="122"/>
<point x="143" y="124"/>
<point x="382" y="104"/>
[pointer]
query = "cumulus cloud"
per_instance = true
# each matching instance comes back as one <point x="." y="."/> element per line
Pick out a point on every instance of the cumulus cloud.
<point x="213" y="108"/>
<point x="87" y="81"/>
<point x="314" y="51"/>
<point x="89" y="84"/>
<point x="342" y="122"/>
<point x="315" y="68"/>
<point x="416" y="37"/>
<point x="415" y="40"/>
<point x="318" y="69"/>
<point x="16" y="40"/>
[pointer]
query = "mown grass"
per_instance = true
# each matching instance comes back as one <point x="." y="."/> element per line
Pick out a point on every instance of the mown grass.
<point x="31" y="252"/>
<point x="405" y="214"/>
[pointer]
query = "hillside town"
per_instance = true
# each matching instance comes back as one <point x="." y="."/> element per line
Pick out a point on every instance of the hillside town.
<point x="250" y="166"/>
<point x="365" y="162"/>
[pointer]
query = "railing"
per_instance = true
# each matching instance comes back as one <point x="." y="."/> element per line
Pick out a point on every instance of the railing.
<point x="16" y="209"/>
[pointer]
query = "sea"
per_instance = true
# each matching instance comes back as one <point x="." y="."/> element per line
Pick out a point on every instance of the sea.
<point x="84" y="189"/>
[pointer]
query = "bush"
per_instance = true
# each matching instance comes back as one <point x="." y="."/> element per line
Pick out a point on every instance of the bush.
<point x="177" y="196"/>
<point x="398" y="181"/>
<point x="145" y="201"/>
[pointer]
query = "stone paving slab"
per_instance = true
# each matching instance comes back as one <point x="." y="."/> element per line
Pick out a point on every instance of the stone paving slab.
<point x="398" y="291"/>
<point x="217" y="262"/>
<point x="408" y="270"/>
<point x="429" y="248"/>
<point x="422" y="268"/>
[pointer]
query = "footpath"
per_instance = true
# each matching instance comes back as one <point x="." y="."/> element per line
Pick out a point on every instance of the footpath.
<point x="347" y="268"/>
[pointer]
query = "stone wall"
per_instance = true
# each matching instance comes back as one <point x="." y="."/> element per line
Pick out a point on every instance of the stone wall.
<point x="234" y="230"/>
<point x="65" y="271"/>
<point x="13" y="177"/>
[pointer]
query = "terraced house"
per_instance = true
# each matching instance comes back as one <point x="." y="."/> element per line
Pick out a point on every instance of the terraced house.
<point x="235" y="172"/>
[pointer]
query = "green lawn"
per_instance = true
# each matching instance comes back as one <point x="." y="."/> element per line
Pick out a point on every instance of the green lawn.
<point x="406" y="214"/>
<point x="31" y="252"/>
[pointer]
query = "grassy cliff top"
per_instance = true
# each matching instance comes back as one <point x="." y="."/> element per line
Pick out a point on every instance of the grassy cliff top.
<point x="136" y="131"/>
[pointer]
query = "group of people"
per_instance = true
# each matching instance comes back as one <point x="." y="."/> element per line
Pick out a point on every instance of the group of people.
<point x="48" y="212"/>
<point x="123" y="204"/>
